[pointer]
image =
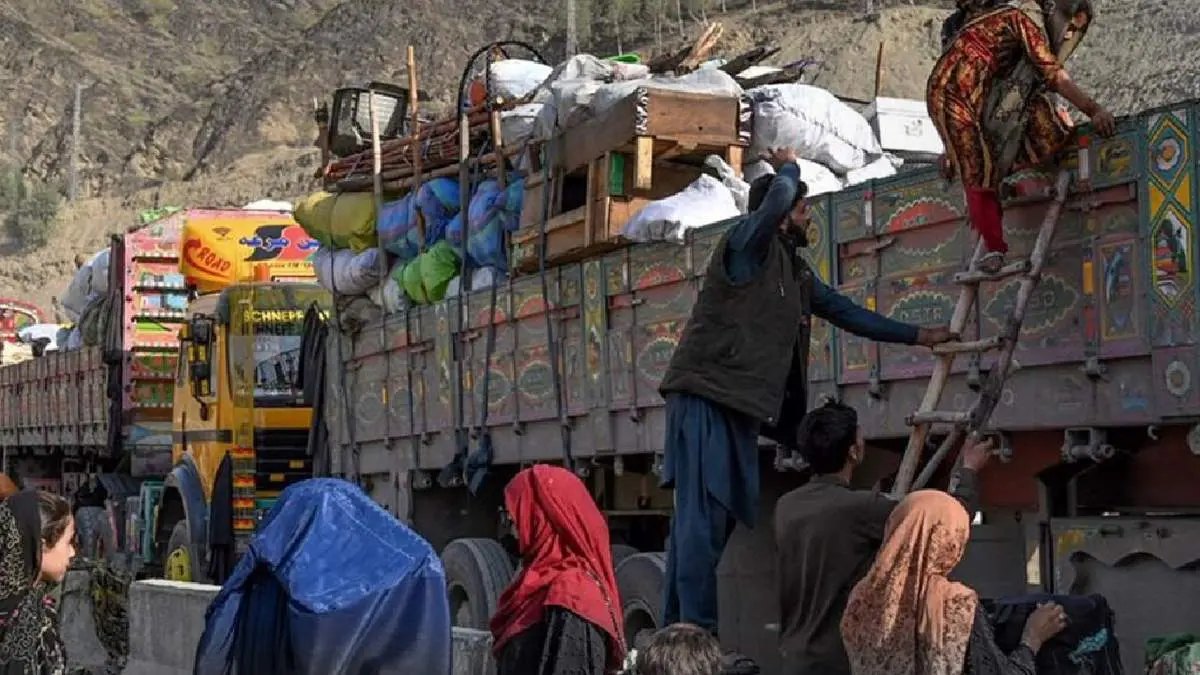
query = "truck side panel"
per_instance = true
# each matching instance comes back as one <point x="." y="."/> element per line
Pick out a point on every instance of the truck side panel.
<point x="1109" y="338"/>
<point x="56" y="402"/>
<point x="901" y="243"/>
<point x="154" y="306"/>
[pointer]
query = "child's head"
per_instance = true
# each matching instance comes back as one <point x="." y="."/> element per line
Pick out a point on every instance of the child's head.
<point x="680" y="649"/>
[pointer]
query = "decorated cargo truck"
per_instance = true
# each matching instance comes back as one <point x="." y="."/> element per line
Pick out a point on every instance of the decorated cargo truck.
<point x="1095" y="489"/>
<point x="201" y="306"/>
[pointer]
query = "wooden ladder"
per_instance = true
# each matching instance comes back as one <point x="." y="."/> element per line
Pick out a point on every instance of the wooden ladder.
<point x="970" y="423"/>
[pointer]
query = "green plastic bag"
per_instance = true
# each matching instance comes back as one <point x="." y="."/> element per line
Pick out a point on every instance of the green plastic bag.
<point x="411" y="281"/>
<point x="439" y="265"/>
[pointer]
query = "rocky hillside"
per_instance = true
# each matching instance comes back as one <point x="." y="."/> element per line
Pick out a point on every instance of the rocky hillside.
<point x="209" y="102"/>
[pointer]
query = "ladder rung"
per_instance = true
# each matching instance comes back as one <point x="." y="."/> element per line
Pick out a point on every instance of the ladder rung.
<point x="1010" y="270"/>
<point x="938" y="417"/>
<point x="970" y="346"/>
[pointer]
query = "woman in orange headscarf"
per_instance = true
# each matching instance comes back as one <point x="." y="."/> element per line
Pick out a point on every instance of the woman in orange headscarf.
<point x="988" y="97"/>
<point x="7" y="487"/>
<point x="561" y="613"/>
<point x="906" y="618"/>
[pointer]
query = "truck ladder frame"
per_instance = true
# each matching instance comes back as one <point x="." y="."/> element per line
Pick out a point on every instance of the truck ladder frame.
<point x="971" y="423"/>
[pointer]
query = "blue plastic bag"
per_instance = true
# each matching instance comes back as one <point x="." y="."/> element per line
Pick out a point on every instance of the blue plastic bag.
<point x="454" y="234"/>
<point x="397" y="228"/>
<point x="438" y="202"/>
<point x="492" y="213"/>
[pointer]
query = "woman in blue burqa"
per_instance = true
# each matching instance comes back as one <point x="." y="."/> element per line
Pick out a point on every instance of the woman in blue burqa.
<point x="331" y="585"/>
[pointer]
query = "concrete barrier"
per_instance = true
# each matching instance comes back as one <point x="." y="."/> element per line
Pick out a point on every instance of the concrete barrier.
<point x="166" y="619"/>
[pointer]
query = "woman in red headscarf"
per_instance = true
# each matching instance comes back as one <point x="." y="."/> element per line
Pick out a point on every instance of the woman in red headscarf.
<point x="561" y="614"/>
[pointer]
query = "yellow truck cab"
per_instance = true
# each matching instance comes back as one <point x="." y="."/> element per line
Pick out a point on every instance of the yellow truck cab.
<point x="240" y="423"/>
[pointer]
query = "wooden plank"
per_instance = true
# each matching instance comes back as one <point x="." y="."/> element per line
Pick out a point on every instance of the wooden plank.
<point x="734" y="158"/>
<point x="589" y="215"/>
<point x="644" y="173"/>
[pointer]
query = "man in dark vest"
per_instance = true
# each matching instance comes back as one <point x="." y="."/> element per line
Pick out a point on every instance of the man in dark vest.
<point x="740" y="371"/>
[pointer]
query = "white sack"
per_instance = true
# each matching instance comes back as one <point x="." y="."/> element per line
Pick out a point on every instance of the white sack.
<point x="345" y="272"/>
<point x="75" y="300"/>
<point x="883" y="167"/>
<point x="819" y="179"/>
<point x="517" y="125"/>
<point x="567" y="92"/>
<point x="40" y="331"/>
<point x="99" y="266"/>
<point x="389" y="295"/>
<point x="703" y="202"/>
<point x="756" y="170"/>
<point x="738" y="188"/>
<point x="485" y="277"/>
<point x="815" y="124"/>
<point x="514" y="78"/>
<point x="268" y="205"/>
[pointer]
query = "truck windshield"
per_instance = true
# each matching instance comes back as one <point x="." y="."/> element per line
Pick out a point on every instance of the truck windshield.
<point x="264" y="341"/>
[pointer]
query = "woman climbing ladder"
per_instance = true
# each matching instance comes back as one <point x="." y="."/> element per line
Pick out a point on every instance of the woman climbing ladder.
<point x="988" y="96"/>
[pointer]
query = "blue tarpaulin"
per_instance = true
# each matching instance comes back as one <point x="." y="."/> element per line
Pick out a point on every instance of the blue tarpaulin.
<point x="355" y="592"/>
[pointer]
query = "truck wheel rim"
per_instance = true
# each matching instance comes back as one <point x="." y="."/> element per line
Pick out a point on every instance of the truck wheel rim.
<point x="179" y="565"/>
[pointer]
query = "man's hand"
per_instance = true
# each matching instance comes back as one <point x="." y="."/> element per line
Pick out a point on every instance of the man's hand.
<point x="976" y="453"/>
<point x="1104" y="122"/>
<point x="929" y="337"/>
<point x="780" y="156"/>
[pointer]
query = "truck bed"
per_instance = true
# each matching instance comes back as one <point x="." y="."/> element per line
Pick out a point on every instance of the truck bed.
<point x="1109" y="338"/>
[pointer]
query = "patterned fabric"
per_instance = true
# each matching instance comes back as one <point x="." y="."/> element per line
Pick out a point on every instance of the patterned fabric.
<point x="985" y="657"/>
<point x="29" y="641"/>
<point x="978" y="106"/>
<point x="1173" y="655"/>
<point x="110" y="612"/>
<point x="905" y="617"/>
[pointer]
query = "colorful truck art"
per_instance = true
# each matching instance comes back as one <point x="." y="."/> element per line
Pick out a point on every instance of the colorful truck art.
<point x="1110" y="335"/>
<point x="221" y="247"/>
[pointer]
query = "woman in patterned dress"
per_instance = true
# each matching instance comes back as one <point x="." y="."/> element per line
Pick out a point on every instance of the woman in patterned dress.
<point x="988" y="96"/>
<point x="906" y="618"/>
<point x="36" y="546"/>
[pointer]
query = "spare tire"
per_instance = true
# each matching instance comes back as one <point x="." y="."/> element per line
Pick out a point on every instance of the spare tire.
<point x="477" y="572"/>
<point x="640" y="579"/>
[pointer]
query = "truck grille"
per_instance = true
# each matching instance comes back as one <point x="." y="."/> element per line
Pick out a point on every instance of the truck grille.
<point x="281" y="459"/>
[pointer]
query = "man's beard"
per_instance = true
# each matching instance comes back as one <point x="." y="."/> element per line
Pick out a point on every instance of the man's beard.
<point x="795" y="235"/>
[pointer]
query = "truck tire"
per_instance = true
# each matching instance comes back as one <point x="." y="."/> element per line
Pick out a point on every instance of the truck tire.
<point x="640" y="579"/>
<point x="620" y="552"/>
<point x="477" y="572"/>
<point x="182" y="559"/>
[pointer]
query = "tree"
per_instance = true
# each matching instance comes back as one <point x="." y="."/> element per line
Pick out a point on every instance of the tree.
<point x="619" y="12"/>
<point x="656" y="12"/>
<point x="33" y="214"/>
